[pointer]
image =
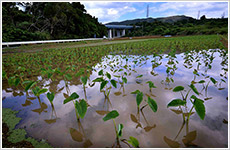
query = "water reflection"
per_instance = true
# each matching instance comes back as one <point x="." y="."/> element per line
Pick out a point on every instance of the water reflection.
<point x="57" y="123"/>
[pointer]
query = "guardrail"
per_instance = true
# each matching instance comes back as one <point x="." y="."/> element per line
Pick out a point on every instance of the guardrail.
<point x="49" y="41"/>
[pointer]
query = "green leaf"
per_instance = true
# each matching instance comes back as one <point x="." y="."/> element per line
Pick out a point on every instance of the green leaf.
<point x="81" y="108"/>
<point x="151" y="84"/>
<point x="17" y="81"/>
<point x="111" y="115"/>
<point x="41" y="91"/>
<point x="72" y="97"/>
<point x="50" y="96"/>
<point x="98" y="80"/>
<point x="30" y="85"/>
<point x="176" y="102"/>
<point x="213" y="80"/>
<point x="84" y="79"/>
<point x="200" y="108"/>
<point x="194" y="89"/>
<point x="11" y="80"/>
<point x="152" y="104"/>
<point x="139" y="76"/>
<point x="124" y="79"/>
<point x="178" y="88"/>
<point x="4" y="74"/>
<point x="120" y="127"/>
<point x="68" y="76"/>
<point x="114" y="83"/>
<point x="133" y="141"/>
<point x="120" y="70"/>
<point x="108" y="75"/>
<point x="103" y="84"/>
<point x="35" y="91"/>
<point x="100" y="73"/>
<point x="201" y="81"/>
<point x="139" y="98"/>
<point x="49" y="75"/>
<point x="135" y="92"/>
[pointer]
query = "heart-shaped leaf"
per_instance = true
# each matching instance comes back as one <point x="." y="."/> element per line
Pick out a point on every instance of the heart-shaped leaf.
<point x="111" y="115"/>
<point x="139" y="98"/>
<point x="50" y="96"/>
<point x="176" y="102"/>
<point x="213" y="80"/>
<point x="178" y="88"/>
<point x="68" y="76"/>
<point x="41" y="91"/>
<point x="103" y="84"/>
<point x="100" y="73"/>
<point x="72" y="97"/>
<point x="108" y="75"/>
<point x="81" y="108"/>
<point x="152" y="104"/>
<point x="84" y="79"/>
<point x="133" y="141"/>
<point x="194" y="89"/>
<point x="135" y="92"/>
<point x="98" y="80"/>
<point x="151" y="84"/>
<point x="29" y="85"/>
<point x="124" y="79"/>
<point x="200" y="108"/>
<point x="114" y="83"/>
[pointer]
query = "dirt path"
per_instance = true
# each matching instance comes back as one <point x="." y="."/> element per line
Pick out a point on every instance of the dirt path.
<point x="26" y="49"/>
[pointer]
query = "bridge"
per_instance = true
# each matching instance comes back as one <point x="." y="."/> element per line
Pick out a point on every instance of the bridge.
<point x="117" y="30"/>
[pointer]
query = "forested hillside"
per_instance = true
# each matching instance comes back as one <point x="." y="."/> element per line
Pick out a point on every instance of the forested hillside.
<point x="183" y="27"/>
<point x="48" y="20"/>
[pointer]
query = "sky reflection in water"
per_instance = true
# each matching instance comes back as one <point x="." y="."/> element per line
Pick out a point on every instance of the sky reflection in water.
<point x="58" y="123"/>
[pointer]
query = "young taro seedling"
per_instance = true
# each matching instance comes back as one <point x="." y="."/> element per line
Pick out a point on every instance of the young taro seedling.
<point x="197" y="104"/>
<point x="133" y="141"/>
<point x="103" y="86"/>
<point x="150" y="102"/>
<point x="80" y="107"/>
<point x="50" y="97"/>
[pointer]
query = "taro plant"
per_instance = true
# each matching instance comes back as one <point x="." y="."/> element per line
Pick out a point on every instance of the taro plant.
<point x="150" y="102"/>
<point x="84" y="82"/>
<point x="151" y="85"/>
<point x="104" y="85"/>
<point x="196" y="103"/>
<point x="80" y="106"/>
<point x="119" y="132"/>
<point x="50" y="97"/>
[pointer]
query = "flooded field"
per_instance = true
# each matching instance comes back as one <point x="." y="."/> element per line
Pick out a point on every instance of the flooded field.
<point x="147" y="115"/>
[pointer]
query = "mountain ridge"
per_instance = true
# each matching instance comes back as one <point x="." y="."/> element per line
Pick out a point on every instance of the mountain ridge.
<point x="170" y="19"/>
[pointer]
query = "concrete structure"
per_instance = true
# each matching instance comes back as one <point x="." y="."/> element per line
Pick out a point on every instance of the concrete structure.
<point x="117" y="30"/>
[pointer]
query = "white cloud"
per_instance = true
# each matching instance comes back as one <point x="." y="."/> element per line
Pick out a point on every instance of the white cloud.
<point x="108" y="11"/>
<point x="210" y="9"/>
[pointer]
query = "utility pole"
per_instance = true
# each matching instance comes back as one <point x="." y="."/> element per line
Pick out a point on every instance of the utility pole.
<point x="198" y="15"/>
<point x="222" y="16"/>
<point x="147" y="13"/>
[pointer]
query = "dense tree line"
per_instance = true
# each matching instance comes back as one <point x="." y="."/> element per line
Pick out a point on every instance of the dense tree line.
<point x="48" y="20"/>
<point x="183" y="27"/>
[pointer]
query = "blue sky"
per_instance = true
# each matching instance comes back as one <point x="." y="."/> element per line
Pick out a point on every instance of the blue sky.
<point x="118" y="11"/>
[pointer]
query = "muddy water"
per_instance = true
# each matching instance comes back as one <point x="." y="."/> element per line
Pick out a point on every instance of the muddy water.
<point x="58" y="124"/>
